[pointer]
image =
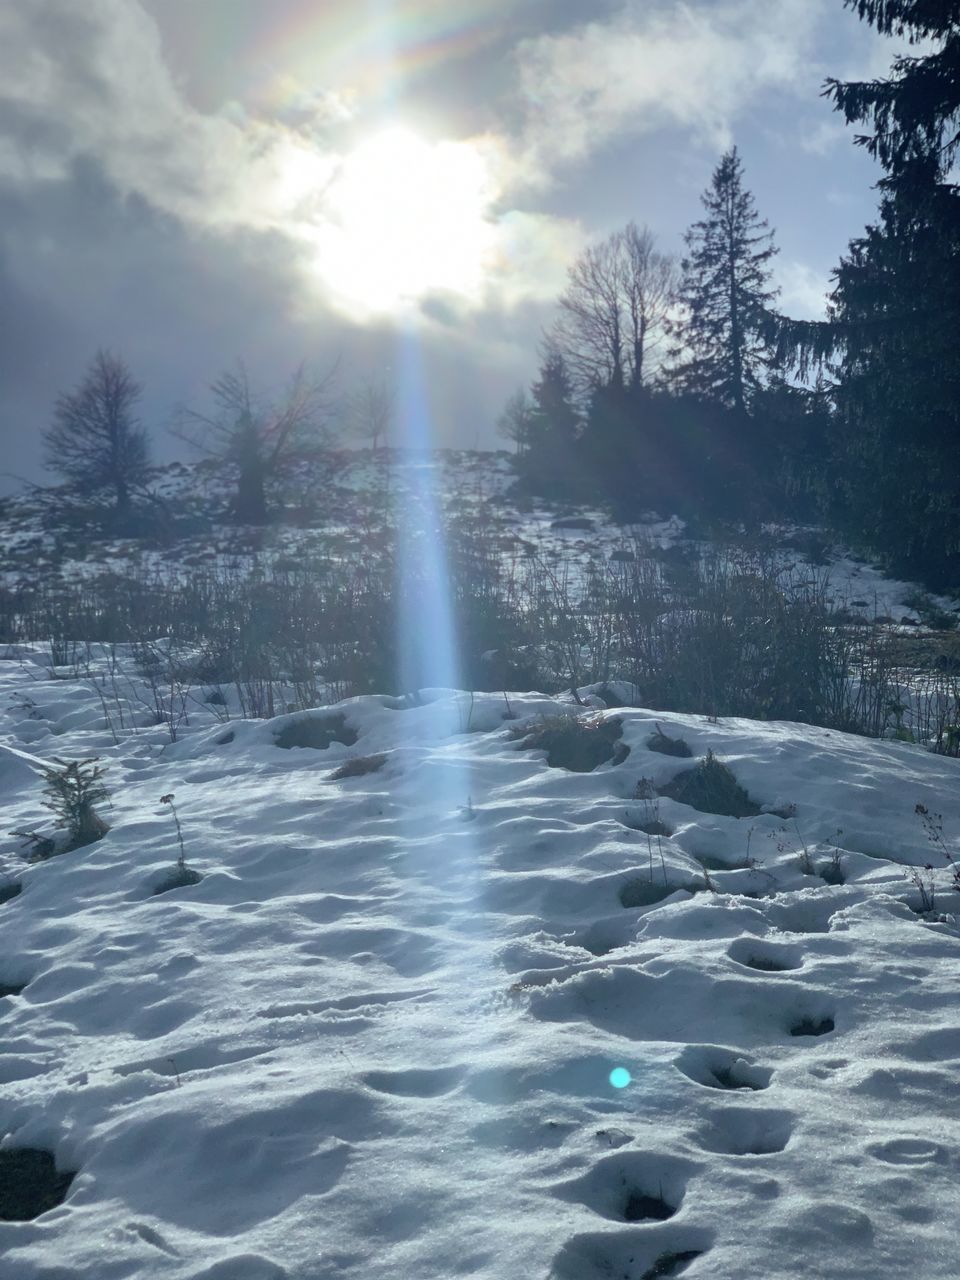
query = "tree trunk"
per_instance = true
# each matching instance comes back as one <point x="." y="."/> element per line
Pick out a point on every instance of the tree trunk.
<point x="251" y="496"/>
<point x="736" y="342"/>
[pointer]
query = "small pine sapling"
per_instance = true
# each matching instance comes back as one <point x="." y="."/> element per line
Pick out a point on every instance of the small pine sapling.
<point x="72" y="789"/>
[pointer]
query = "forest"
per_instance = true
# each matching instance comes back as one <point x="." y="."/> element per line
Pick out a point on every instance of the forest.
<point x="680" y="384"/>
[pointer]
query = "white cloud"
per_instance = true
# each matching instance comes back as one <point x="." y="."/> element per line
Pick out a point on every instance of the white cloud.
<point x="92" y="81"/>
<point x="699" y="66"/>
<point x="803" y="291"/>
<point x="825" y="136"/>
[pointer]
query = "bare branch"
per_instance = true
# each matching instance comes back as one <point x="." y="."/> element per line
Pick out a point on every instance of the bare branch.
<point x="96" y="440"/>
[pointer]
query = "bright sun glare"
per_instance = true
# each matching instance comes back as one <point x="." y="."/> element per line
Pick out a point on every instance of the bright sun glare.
<point x="403" y="218"/>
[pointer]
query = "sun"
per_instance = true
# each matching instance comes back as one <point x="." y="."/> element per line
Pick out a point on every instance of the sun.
<point x="404" y="217"/>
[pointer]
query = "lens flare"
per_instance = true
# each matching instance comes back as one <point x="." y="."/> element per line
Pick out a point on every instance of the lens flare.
<point x="426" y="635"/>
<point x="620" y="1077"/>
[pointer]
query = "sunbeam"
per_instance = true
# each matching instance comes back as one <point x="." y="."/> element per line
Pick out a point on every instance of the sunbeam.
<point x="426" y="641"/>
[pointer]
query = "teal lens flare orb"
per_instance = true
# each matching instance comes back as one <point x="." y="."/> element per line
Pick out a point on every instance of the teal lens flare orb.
<point x="620" y="1077"/>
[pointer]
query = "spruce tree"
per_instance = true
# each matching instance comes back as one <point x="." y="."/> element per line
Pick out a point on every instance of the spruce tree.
<point x="554" y="422"/>
<point x="895" y="309"/>
<point x="725" y="294"/>
<point x="552" y="427"/>
<point x="915" y="112"/>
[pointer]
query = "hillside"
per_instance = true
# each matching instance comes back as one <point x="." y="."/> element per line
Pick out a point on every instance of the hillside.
<point x="456" y="1012"/>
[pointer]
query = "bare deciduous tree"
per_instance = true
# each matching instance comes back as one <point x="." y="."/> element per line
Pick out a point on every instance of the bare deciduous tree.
<point x="514" y="422"/>
<point x="614" y="309"/>
<point x="370" y="409"/>
<point x="650" y="284"/>
<point x="257" y="437"/>
<point x="96" y="440"/>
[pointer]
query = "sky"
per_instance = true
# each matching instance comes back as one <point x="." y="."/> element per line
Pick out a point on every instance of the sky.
<point x="190" y="183"/>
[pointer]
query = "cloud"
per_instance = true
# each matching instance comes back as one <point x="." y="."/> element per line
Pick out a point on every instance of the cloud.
<point x="803" y="291"/>
<point x="92" y="82"/>
<point x="824" y="137"/>
<point x="697" y="66"/>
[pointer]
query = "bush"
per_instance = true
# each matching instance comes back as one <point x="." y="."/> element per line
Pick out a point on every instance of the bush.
<point x="711" y="787"/>
<point x="577" y="743"/>
<point x="668" y="746"/>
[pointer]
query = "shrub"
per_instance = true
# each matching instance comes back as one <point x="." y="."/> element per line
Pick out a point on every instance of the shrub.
<point x="668" y="746"/>
<point x="933" y="830"/>
<point x="577" y="743"/>
<point x="711" y="787"/>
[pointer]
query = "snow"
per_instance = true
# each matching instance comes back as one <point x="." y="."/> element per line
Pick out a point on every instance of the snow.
<point x="377" y="1038"/>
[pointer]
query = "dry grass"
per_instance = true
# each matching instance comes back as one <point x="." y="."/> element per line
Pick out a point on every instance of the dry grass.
<point x="358" y="767"/>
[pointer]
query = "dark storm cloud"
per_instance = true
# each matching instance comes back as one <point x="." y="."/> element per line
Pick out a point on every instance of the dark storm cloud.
<point x="82" y="267"/>
<point x="86" y="268"/>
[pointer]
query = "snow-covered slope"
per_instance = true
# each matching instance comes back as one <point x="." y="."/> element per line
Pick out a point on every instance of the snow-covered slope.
<point x="339" y="507"/>
<point x="404" y="1026"/>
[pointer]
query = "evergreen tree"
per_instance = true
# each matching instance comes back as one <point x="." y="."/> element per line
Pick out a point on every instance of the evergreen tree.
<point x="552" y="426"/>
<point x="914" y="112"/>
<point x="554" y="422"/>
<point x="897" y="303"/>
<point x="725" y="294"/>
<point x="895" y="310"/>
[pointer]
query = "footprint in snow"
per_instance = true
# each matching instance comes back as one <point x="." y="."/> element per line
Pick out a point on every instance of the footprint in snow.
<point x="416" y="1082"/>
<point x="907" y="1151"/>
<point x="738" y="1131"/>
<point x="765" y="957"/>
<point x="152" y="1237"/>
<point x="639" y="1253"/>
<point x="632" y="1186"/>
<point x="808" y="1025"/>
<point x="718" y="1068"/>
